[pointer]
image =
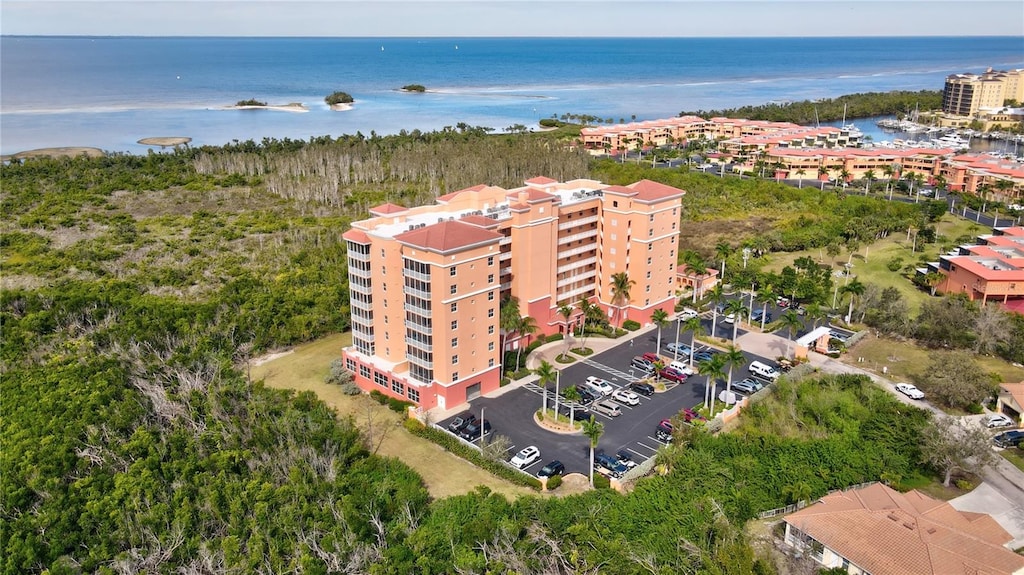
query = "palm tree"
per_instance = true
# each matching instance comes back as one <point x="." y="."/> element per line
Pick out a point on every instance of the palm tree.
<point x="593" y="430"/>
<point x="791" y="321"/>
<point x="621" y="284"/>
<point x="816" y="312"/>
<point x="822" y="171"/>
<point x="736" y="308"/>
<point x="508" y="322"/>
<point x="527" y="327"/>
<point x="800" y="174"/>
<point x="566" y="312"/>
<point x="940" y="184"/>
<point x="546" y="374"/>
<point x="692" y="325"/>
<point x="731" y="358"/>
<point x="716" y="296"/>
<point x="714" y="369"/>
<point x="660" y="319"/>
<point x="586" y="313"/>
<point x="766" y="296"/>
<point x="572" y="395"/>
<point x="723" y="250"/>
<point x="855" y="289"/>
<point x="868" y="176"/>
<point x="696" y="265"/>
<point x="933" y="280"/>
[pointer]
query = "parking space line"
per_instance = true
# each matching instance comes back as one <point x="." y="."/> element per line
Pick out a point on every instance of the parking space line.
<point x="637" y="453"/>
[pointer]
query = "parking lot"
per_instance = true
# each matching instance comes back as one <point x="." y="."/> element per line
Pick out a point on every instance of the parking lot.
<point x="634" y="431"/>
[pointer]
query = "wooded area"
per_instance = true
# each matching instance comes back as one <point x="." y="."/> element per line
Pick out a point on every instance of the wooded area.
<point x="134" y="285"/>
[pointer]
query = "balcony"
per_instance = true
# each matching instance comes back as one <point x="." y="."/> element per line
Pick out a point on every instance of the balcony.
<point x="580" y="236"/>
<point x="420" y="311"/>
<point x="425" y="364"/>
<point x="419" y="327"/>
<point x="575" y="223"/>
<point x="368" y="306"/>
<point x="420" y="345"/>
<point x="416" y="292"/>
<point x="577" y="264"/>
<point x="354" y="271"/>
<point x="573" y="295"/>
<point x="360" y="329"/>
<point x="415" y="275"/>
<point x="580" y="250"/>
<point x="577" y="279"/>
<point x="358" y="256"/>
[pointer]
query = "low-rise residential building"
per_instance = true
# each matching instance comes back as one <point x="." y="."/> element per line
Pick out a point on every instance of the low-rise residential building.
<point x="991" y="176"/>
<point x="426" y="282"/>
<point x="992" y="270"/>
<point x="877" y="530"/>
<point x="1010" y="401"/>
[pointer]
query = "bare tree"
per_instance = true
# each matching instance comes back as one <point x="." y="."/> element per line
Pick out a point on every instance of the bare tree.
<point x="950" y="447"/>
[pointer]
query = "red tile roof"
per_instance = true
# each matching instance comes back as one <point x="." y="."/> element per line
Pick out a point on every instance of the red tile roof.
<point x="448" y="236"/>
<point x="883" y="531"/>
<point x="358" y="236"/>
<point x="482" y="221"/>
<point x="540" y="181"/>
<point x="452" y="195"/>
<point x="386" y="209"/>
<point x="1016" y="391"/>
<point x="650" y="191"/>
<point x="530" y="195"/>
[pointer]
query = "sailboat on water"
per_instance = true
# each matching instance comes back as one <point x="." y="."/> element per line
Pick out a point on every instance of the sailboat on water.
<point x="850" y="128"/>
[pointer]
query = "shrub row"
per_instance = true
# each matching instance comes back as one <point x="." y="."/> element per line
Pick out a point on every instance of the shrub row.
<point x="631" y="325"/>
<point x="393" y="403"/>
<point x="451" y="443"/>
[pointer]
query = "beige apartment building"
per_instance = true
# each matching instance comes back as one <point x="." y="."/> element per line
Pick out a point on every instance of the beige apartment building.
<point x="966" y="94"/>
<point x="426" y="282"/>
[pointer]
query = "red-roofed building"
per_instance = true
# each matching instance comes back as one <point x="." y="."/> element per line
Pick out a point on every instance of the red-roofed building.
<point x="426" y="282"/>
<point x="879" y="531"/>
<point x="1010" y="401"/>
<point x="990" y="271"/>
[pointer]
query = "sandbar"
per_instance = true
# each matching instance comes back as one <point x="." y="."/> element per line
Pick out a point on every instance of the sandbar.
<point x="68" y="152"/>
<point x="293" y="107"/>
<point x="165" y="141"/>
<point x="341" y="107"/>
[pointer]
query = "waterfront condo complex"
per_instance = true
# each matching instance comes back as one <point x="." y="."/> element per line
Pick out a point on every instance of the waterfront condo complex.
<point x="426" y="283"/>
<point x="967" y="94"/>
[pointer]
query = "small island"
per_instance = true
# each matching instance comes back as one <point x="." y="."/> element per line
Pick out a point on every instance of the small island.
<point x="340" y="101"/>
<point x="414" y="88"/>
<point x="254" y="104"/>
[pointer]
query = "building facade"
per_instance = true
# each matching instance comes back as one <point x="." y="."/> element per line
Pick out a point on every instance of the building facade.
<point x="992" y="270"/>
<point x="426" y="282"/>
<point x="966" y="94"/>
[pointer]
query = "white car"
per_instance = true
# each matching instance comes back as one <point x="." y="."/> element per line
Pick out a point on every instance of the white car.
<point x="910" y="390"/>
<point x="626" y="397"/>
<point x="998" y="420"/>
<point x="526" y="457"/>
<point x="730" y="319"/>
<point x="602" y="385"/>
<point x="688" y="313"/>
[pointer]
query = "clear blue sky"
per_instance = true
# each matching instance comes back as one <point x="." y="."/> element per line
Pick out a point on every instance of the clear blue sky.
<point x="602" y="18"/>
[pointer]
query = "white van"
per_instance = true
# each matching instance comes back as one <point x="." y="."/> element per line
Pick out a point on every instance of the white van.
<point x="609" y="408"/>
<point x="682" y="367"/>
<point x="763" y="370"/>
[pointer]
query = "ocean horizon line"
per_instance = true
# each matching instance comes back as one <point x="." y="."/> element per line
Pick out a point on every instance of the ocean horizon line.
<point x="514" y="37"/>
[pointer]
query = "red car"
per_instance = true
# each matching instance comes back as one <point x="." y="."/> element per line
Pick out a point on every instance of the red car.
<point x="672" y="375"/>
<point x="653" y="357"/>
<point x="690" y="415"/>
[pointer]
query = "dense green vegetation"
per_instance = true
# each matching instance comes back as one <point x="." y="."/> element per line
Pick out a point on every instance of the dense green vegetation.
<point x="133" y="284"/>
<point x="250" y="102"/>
<point x="338" y="98"/>
<point x="414" y="88"/>
<point x="866" y="105"/>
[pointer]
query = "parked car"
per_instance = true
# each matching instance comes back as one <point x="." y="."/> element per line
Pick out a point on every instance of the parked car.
<point x="1009" y="438"/>
<point x="460" y="422"/>
<point x="683" y="367"/>
<point x="626" y="397"/>
<point x="642" y="364"/>
<point x="607" y="407"/>
<point x="782" y="302"/>
<point x="551" y="468"/>
<point x="998" y="420"/>
<point x="527" y="456"/>
<point x="910" y="390"/>
<point x="690" y="415"/>
<point x="645" y="389"/>
<point x="625" y="458"/>
<point x="838" y="335"/>
<point x="687" y="313"/>
<point x="704" y="355"/>
<point x="763" y="370"/>
<point x="747" y="386"/>
<point x="664" y="430"/>
<point x="587" y="394"/>
<point x="758" y="314"/>
<point x="609" y="465"/>
<point x="672" y="375"/>
<point x="603" y="385"/>
<point x="653" y="357"/>
<point x="473" y="431"/>
<point x="677" y="348"/>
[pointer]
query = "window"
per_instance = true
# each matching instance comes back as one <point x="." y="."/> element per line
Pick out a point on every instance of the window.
<point x="455" y="359"/>
<point x="490" y="260"/>
<point x="648" y="274"/>
<point x="455" y="376"/>
<point x="490" y="362"/>
<point x="350" y="364"/>
<point x="490" y="312"/>
<point x="490" y="296"/>
<point x="455" y="324"/>
<point x="364" y="371"/>
<point x="648" y="290"/>
<point x="652" y="217"/>
<point x="615" y="222"/>
<point x="453" y="289"/>
<point x="490" y="278"/>
<point x="451" y="271"/>
<point x="490" y="346"/>
<point x="615" y="204"/>
<point x="380" y="379"/>
<point x="490" y="330"/>
<point x="455" y="342"/>
<point x="455" y="306"/>
<point x="413" y="395"/>
<point x="397" y="387"/>
<point x="614" y="237"/>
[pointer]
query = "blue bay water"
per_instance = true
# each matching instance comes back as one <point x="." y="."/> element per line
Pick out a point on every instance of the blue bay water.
<point x="110" y="92"/>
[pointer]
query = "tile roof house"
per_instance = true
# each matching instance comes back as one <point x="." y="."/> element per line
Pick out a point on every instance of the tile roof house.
<point x="1011" y="400"/>
<point x="879" y="531"/>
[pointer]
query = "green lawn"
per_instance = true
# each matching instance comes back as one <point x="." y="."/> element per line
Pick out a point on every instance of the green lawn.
<point x="870" y="261"/>
<point x="1014" y="456"/>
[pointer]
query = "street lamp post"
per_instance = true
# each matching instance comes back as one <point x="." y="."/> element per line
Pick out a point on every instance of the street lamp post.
<point x="482" y="408"/>
<point x="679" y="326"/>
